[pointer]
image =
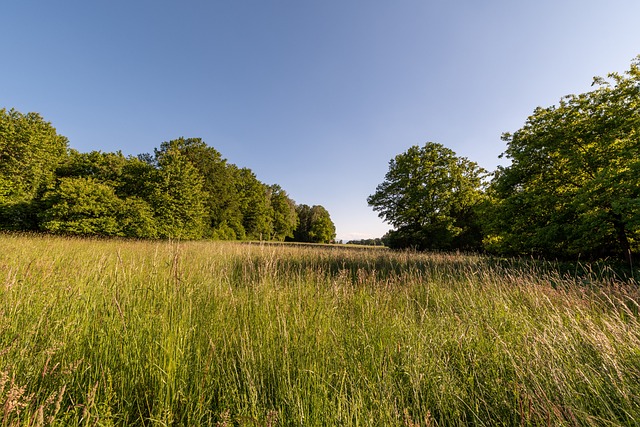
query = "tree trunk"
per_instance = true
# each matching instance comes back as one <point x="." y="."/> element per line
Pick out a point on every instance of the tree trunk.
<point x="623" y="240"/>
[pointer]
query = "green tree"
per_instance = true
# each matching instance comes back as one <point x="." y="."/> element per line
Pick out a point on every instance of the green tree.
<point x="136" y="219"/>
<point x="85" y="206"/>
<point x="82" y="206"/>
<point x="130" y="180"/>
<point x="301" y="233"/>
<point x="431" y="197"/>
<point x="137" y="179"/>
<point x="30" y="150"/>
<point x="572" y="186"/>
<point x="285" y="218"/>
<point x="367" y="242"/>
<point x="220" y="186"/>
<point x="106" y="168"/>
<point x="177" y="197"/>
<point x="129" y="176"/>
<point x="322" y="228"/>
<point x="254" y="205"/>
<point x="315" y="225"/>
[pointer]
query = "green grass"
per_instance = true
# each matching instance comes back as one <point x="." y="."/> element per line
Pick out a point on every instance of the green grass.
<point x="96" y="332"/>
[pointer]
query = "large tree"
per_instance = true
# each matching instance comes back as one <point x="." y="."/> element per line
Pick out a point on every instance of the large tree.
<point x="322" y="229"/>
<point x="254" y="205"/>
<point x="30" y="150"/>
<point x="314" y="225"/>
<point x="430" y="195"/>
<point x="285" y="217"/>
<point x="572" y="186"/>
<point x="83" y="206"/>
<point x="104" y="167"/>
<point x="177" y="197"/>
<point x="222" y="199"/>
<point x="100" y="193"/>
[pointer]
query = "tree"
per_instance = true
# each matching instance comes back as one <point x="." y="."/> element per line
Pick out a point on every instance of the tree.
<point x="222" y="200"/>
<point x="82" y="206"/>
<point x="572" y="186"/>
<point x="30" y="150"/>
<point x="112" y="194"/>
<point x="314" y="226"/>
<point x="128" y="176"/>
<point x="177" y="197"/>
<point x="285" y="218"/>
<point x="254" y="205"/>
<point x="104" y="167"/>
<point x="322" y="228"/>
<point x="86" y="206"/>
<point x="301" y="233"/>
<point x="137" y="179"/>
<point x="430" y="196"/>
<point x="136" y="219"/>
<point x="367" y="242"/>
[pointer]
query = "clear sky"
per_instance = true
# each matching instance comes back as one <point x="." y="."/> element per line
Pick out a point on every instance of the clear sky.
<point x="314" y="95"/>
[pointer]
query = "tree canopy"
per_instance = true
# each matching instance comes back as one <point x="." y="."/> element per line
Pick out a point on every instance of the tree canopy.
<point x="430" y="196"/>
<point x="184" y="190"/>
<point x="177" y="196"/>
<point x="572" y="187"/>
<point x="30" y="150"/>
<point x="285" y="217"/>
<point x="315" y="225"/>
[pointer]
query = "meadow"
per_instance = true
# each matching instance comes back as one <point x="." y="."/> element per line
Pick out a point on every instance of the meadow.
<point x="116" y="332"/>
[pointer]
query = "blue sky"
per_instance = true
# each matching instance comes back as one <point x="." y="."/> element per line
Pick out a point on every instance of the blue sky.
<point x="316" y="96"/>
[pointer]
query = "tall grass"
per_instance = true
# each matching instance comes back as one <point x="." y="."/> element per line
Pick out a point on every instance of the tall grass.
<point x="99" y="332"/>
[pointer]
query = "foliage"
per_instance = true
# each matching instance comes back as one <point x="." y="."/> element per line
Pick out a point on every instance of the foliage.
<point x="285" y="217"/>
<point x="30" y="150"/>
<point x="177" y="197"/>
<point x="254" y="205"/>
<point x="136" y="219"/>
<point x="430" y="196"/>
<point x="82" y="206"/>
<point x="366" y="242"/>
<point x="124" y="212"/>
<point x="237" y="204"/>
<point x="572" y="186"/>
<point x="322" y="229"/>
<point x="86" y="206"/>
<point x="222" y="199"/>
<point x="185" y="190"/>
<point x="137" y="179"/>
<point x="314" y="225"/>
<point x="106" y="168"/>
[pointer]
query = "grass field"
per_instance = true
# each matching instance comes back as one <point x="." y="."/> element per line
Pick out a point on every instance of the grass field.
<point x="96" y="332"/>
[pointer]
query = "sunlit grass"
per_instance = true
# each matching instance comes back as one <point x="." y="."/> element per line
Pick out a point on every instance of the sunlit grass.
<point x="96" y="332"/>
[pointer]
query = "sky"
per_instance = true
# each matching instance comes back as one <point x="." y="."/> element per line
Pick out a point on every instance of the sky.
<point x="314" y="95"/>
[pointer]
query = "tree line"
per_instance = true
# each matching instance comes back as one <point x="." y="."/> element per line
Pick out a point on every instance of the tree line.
<point x="572" y="189"/>
<point x="184" y="190"/>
